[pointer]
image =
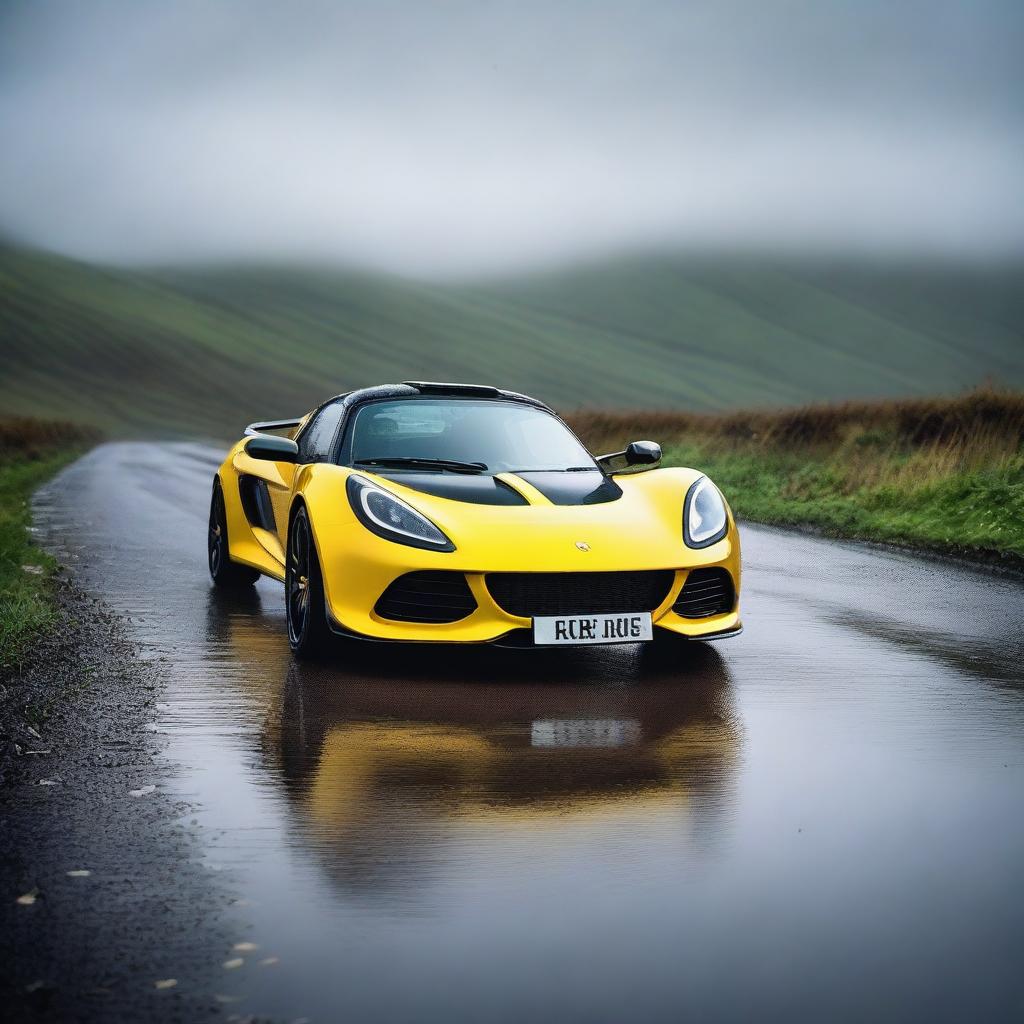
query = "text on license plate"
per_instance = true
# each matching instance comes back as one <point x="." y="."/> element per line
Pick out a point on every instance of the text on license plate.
<point x="592" y="629"/>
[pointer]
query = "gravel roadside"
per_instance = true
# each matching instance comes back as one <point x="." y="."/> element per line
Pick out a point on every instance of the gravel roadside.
<point x="107" y="910"/>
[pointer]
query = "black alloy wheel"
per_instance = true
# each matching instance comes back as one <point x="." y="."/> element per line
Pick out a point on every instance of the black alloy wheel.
<point x="223" y="571"/>
<point x="308" y="633"/>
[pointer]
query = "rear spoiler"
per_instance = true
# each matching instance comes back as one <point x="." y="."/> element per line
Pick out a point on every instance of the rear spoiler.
<point x="266" y="426"/>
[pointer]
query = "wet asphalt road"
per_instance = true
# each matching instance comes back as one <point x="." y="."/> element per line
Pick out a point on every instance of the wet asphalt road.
<point x="822" y="819"/>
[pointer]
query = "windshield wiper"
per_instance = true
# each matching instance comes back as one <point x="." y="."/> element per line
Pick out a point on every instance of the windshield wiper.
<point x="399" y="460"/>
<point x="560" y="469"/>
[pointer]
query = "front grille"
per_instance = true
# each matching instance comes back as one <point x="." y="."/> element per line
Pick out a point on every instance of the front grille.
<point x="579" y="593"/>
<point x="427" y="596"/>
<point x="706" y="592"/>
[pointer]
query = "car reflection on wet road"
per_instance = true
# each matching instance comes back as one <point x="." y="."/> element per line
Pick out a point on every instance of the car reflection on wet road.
<point x="384" y="755"/>
<point x="822" y="819"/>
<point x="385" y="771"/>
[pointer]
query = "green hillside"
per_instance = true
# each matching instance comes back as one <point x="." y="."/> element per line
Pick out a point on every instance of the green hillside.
<point x="202" y="351"/>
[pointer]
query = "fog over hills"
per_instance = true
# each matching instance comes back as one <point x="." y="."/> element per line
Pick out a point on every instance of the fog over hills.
<point x="465" y="137"/>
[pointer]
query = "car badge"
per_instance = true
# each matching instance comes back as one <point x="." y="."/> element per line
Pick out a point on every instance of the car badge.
<point x="582" y="545"/>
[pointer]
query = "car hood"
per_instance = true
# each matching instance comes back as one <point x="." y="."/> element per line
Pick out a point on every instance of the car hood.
<point x="641" y="529"/>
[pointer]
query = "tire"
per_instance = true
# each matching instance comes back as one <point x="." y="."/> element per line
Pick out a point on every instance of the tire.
<point x="309" y="636"/>
<point x="224" y="572"/>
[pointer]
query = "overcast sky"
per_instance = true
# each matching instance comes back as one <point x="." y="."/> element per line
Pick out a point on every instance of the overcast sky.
<point x="462" y="136"/>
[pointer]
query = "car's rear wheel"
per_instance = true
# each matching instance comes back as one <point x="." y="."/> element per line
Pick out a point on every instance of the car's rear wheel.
<point x="223" y="571"/>
<point x="308" y="633"/>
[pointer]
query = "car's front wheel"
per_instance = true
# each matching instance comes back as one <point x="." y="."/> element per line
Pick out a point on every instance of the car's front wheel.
<point x="224" y="573"/>
<point x="308" y="633"/>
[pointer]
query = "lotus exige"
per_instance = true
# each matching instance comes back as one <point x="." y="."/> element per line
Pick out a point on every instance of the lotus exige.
<point x="463" y="513"/>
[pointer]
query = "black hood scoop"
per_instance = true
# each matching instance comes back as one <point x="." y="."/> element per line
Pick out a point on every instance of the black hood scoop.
<point x="589" y="488"/>
<point x="476" y="490"/>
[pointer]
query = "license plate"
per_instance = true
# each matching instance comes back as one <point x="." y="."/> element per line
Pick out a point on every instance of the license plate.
<point x="592" y="629"/>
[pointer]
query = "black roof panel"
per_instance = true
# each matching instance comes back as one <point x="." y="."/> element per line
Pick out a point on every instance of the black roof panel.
<point x="414" y="388"/>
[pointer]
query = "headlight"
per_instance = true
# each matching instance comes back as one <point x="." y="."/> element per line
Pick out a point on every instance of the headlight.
<point x="704" y="517"/>
<point x="386" y="515"/>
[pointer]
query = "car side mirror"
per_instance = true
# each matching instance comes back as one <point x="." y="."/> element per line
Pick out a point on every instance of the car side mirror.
<point x="272" y="449"/>
<point x="643" y="453"/>
<point x="636" y="453"/>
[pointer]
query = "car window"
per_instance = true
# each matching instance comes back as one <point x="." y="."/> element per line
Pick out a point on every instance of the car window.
<point x="503" y="436"/>
<point x="315" y="442"/>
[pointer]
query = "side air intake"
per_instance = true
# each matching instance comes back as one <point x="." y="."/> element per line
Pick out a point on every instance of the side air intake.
<point x="256" y="502"/>
<point x="706" y="592"/>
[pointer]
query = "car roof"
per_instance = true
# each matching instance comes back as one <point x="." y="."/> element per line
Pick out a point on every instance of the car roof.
<point x="435" y="389"/>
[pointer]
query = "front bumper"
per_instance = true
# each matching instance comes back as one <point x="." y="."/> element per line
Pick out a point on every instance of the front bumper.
<point x="354" y="580"/>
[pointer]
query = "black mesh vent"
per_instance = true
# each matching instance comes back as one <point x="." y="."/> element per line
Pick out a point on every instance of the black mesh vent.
<point x="579" y="593"/>
<point x="706" y="592"/>
<point x="427" y="596"/>
<point x="256" y="502"/>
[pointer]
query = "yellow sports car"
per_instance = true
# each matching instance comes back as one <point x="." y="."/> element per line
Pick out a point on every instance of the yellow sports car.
<point x="467" y="514"/>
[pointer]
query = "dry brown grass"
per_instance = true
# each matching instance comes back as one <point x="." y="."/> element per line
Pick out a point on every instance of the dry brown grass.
<point x="981" y="421"/>
<point x="23" y="437"/>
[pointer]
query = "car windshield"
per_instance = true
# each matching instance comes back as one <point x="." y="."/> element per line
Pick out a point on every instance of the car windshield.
<point x="463" y="435"/>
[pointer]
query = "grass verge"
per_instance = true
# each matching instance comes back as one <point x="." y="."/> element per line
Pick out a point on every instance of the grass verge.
<point x="941" y="474"/>
<point x="31" y="451"/>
